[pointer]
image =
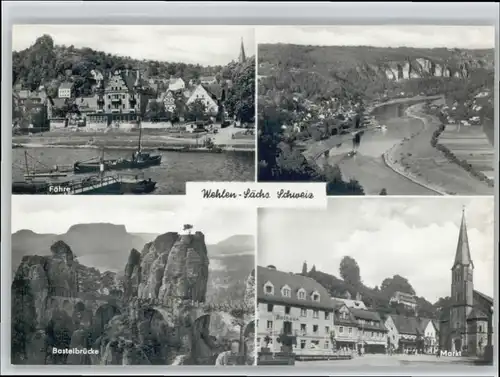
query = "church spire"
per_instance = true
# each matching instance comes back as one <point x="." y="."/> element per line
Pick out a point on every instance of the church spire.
<point x="242" y="57"/>
<point x="462" y="255"/>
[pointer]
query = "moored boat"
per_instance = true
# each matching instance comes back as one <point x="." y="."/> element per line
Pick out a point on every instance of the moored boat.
<point x="140" y="160"/>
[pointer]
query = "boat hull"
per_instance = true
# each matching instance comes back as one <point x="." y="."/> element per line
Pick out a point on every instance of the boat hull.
<point x="92" y="167"/>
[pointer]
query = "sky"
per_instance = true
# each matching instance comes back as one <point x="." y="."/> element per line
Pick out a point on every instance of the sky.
<point x="412" y="237"/>
<point x="423" y="36"/>
<point x="204" y="45"/>
<point x="144" y="214"/>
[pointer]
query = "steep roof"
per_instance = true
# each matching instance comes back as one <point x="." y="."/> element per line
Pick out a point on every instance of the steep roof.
<point x="215" y="90"/>
<point x="476" y="314"/>
<point x="483" y="297"/>
<point x="66" y="85"/>
<point x="406" y="325"/>
<point x="462" y="255"/>
<point x="87" y="103"/>
<point x="279" y="279"/>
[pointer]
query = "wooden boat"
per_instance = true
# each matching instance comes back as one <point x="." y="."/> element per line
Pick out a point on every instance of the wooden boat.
<point x="139" y="160"/>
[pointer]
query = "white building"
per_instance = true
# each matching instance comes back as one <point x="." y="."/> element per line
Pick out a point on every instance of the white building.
<point x="200" y="93"/>
<point x="208" y="80"/>
<point x="294" y="305"/>
<point x="404" y="298"/>
<point x="176" y="84"/>
<point x="65" y="90"/>
<point x="430" y="332"/>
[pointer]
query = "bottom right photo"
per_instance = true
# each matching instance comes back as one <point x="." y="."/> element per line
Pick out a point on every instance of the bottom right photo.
<point x="377" y="281"/>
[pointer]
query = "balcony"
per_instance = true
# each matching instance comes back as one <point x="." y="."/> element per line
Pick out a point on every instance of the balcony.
<point x="116" y="100"/>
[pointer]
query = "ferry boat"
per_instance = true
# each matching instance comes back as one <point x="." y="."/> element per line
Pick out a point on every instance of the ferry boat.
<point x="139" y="160"/>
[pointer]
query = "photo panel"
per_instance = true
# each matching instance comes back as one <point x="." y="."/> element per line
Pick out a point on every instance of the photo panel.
<point x="109" y="281"/>
<point x="386" y="282"/>
<point x="378" y="110"/>
<point x="131" y="109"/>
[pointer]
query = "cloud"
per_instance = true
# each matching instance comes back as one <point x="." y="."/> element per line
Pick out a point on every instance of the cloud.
<point x="204" y="45"/>
<point x="423" y="36"/>
<point x="144" y="214"/>
<point x="413" y="237"/>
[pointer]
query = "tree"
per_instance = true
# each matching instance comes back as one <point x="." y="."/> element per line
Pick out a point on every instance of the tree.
<point x="396" y="284"/>
<point x="197" y="110"/>
<point x="304" y="269"/>
<point x="187" y="227"/>
<point x="349" y="271"/>
<point x="313" y="269"/>
<point x="240" y="99"/>
<point x="156" y="111"/>
<point x="383" y="191"/>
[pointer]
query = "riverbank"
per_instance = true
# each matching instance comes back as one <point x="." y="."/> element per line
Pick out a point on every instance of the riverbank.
<point x="125" y="142"/>
<point x="419" y="161"/>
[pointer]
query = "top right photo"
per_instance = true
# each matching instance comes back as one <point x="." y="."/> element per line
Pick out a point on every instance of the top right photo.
<point x="378" y="110"/>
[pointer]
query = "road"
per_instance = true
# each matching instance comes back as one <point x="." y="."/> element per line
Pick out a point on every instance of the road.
<point x="388" y="361"/>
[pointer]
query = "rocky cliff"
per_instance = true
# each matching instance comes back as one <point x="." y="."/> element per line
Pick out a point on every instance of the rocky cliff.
<point x="52" y="297"/>
<point x="373" y="63"/>
<point x="155" y="313"/>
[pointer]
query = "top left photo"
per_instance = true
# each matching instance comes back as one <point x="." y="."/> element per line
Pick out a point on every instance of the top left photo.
<point x="108" y="109"/>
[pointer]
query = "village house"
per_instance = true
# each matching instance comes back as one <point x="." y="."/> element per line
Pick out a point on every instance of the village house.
<point x="294" y="305"/>
<point x="66" y="90"/>
<point x="346" y="327"/>
<point x="430" y="331"/>
<point x="210" y="99"/>
<point x="403" y="333"/>
<point x="176" y="84"/>
<point x="208" y="80"/>
<point x="405" y="299"/>
<point x="372" y="333"/>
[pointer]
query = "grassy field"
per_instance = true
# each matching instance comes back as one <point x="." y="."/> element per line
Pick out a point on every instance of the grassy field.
<point x="418" y="158"/>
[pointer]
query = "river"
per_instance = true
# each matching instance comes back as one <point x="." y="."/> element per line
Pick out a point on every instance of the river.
<point x="368" y="166"/>
<point x="171" y="176"/>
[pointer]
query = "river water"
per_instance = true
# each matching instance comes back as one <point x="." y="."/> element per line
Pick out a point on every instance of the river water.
<point x="368" y="166"/>
<point x="171" y="176"/>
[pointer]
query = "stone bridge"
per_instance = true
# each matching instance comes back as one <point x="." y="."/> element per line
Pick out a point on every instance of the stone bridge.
<point x="91" y="304"/>
<point x="170" y="308"/>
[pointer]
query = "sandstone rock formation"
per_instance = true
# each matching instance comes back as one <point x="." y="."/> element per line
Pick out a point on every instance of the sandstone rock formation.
<point x="51" y="306"/>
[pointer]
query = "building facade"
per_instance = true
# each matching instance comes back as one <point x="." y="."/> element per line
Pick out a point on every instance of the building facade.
<point x="430" y="332"/>
<point x="467" y="324"/>
<point x="201" y="93"/>
<point x="405" y="299"/>
<point x="66" y="90"/>
<point x="403" y="333"/>
<point x="293" y="305"/>
<point x="346" y="328"/>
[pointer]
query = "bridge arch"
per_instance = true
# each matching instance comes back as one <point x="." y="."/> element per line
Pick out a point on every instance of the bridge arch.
<point x="102" y="316"/>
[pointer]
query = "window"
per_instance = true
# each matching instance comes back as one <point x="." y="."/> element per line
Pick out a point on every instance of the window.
<point x="315" y="329"/>
<point x="373" y="334"/>
<point x="303" y="312"/>
<point x="301" y="294"/>
<point x="327" y="330"/>
<point x="287" y="310"/>
<point x="327" y="344"/>
<point x="123" y="106"/>
<point x="480" y="328"/>
<point x="315" y="314"/>
<point x="315" y="297"/>
<point x="268" y="288"/>
<point x="350" y="330"/>
<point x="109" y="106"/>
<point x="269" y="325"/>
<point x="327" y="315"/>
<point x="286" y="292"/>
<point x="341" y="330"/>
<point x="270" y="308"/>
<point x="123" y="96"/>
<point x="303" y="328"/>
<point x="303" y="344"/>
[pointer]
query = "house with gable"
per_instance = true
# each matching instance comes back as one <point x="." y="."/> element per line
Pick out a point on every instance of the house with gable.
<point x="295" y="305"/>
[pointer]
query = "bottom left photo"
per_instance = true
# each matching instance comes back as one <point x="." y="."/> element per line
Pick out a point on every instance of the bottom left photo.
<point x="109" y="281"/>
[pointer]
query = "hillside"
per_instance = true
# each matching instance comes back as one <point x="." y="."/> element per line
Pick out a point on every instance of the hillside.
<point x="45" y="63"/>
<point x="376" y="298"/>
<point x="104" y="247"/>
<point x="318" y="71"/>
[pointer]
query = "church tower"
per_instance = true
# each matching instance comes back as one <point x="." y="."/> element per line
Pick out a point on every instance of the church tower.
<point x="242" y="57"/>
<point x="462" y="288"/>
